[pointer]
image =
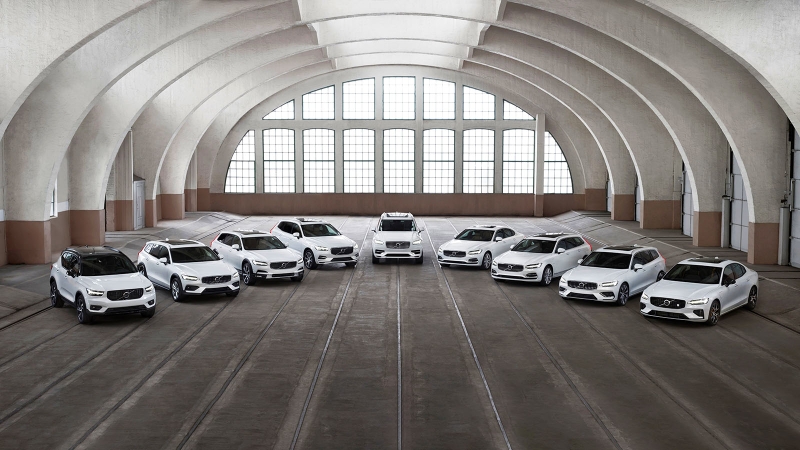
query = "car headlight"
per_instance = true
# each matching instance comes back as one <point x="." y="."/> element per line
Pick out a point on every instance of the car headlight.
<point x="494" y="263"/>
<point x="645" y="297"/>
<point x="608" y="283"/>
<point x="149" y="288"/>
<point x="416" y="242"/>
<point x="533" y="266"/>
<point x="189" y="277"/>
<point x="94" y="293"/>
<point x="355" y="246"/>
<point x="299" y="262"/>
<point x="699" y="301"/>
<point x="473" y="252"/>
<point x="377" y="242"/>
<point x="321" y="248"/>
<point x="440" y="250"/>
<point x="562" y="281"/>
<point x="235" y="274"/>
<point x="260" y="263"/>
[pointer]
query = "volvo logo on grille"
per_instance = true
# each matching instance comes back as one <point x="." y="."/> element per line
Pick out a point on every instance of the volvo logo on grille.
<point x="581" y="286"/>
<point x="509" y="266"/>
<point x="217" y="279"/>
<point x="126" y="294"/>
<point x="665" y="302"/>
<point x="283" y="265"/>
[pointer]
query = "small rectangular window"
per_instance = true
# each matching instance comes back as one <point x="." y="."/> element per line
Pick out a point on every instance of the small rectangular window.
<point x="519" y="151"/>
<point x="319" y="105"/>
<point x="438" y="99"/>
<point x="398" y="161"/>
<point x="478" y="161"/>
<point x="478" y="105"/>
<point x="359" y="160"/>
<point x="318" y="160"/>
<point x="438" y="161"/>
<point x="358" y="99"/>
<point x="399" y="98"/>
<point x="279" y="160"/>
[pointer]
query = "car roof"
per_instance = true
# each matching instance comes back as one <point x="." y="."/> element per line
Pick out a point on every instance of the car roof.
<point x="707" y="260"/>
<point x="180" y="242"/>
<point x="94" y="250"/>
<point x="483" y="227"/>
<point x="624" y="248"/>
<point x="309" y="220"/>
<point x="249" y="232"/>
<point x="552" y="236"/>
<point x="396" y="215"/>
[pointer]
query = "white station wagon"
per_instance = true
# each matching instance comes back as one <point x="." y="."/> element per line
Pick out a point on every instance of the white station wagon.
<point x="258" y="254"/>
<point x="540" y="258"/>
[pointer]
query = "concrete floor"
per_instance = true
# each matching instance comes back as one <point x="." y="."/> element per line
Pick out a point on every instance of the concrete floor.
<point x="399" y="355"/>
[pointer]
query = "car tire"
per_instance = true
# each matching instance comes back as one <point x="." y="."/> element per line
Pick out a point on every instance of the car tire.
<point x="149" y="313"/>
<point x="419" y="260"/>
<point x="83" y="314"/>
<point x="713" y="314"/>
<point x="486" y="263"/>
<point x="375" y="260"/>
<point x="142" y="270"/>
<point x="247" y="274"/>
<point x="56" y="300"/>
<point x="308" y="259"/>
<point x="752" y="299"/>
<point x="623" y="294"/>
<point x="660" y="275"/>
<point x="547" y="276"/>
<point x="175" y="289"/>
<point x="351" y="264"/>
<point x="299" y="277"/>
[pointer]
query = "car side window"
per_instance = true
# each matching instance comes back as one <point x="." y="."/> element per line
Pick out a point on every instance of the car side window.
<point x="155" y="250"/>
<point x="653" y="255"/>
<point x="738" y="270"/>
<point x="647" y="256"/>
<point x="296" y="229"/>
<point x="578" y="241"/>
<point x="728" y="275"/>
<point x="638" y="259"/>
<point x="236" y="240"/>
<point x="509" y="232"/>
<point x="286" y="227"/>
<point x="163" y="253"/>
<point x="68" y="260"/>
<point x="499" y="234"/>
<point x="562" y="244"/>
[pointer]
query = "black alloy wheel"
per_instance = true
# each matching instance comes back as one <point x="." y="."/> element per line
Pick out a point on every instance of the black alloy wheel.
<point x="142" y="270"/>
<point x="247" y="274"/>
<point x="752" y="299"/>
<point x="623" y="294"/>
<point x="176" y="289"/>
<point x="713" y="314"/>
<point x="83" y="314"/>
<point x="55" y="297"/>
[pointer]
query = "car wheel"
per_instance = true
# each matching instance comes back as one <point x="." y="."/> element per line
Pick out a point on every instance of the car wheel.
<point x="419" y="260"/>
<point x="298" y="278"/>
<point x="486" y="264"/>
<point x="547" y="276"/>
<point x="149" y="313"/>
<point x="247" y="274"/>
<point x="623" y="294"/>
<point x="713" y="314"/>
<point x="660" y="275"/>
<point x="752" y="299"/>
<point x="83" y="314"/>
<point x="350" y="264"/>
<point x="55" y="297"/>
<point x="142" y="270"/>
<point x="176" y="289"/>
<point x="308" y="259"/>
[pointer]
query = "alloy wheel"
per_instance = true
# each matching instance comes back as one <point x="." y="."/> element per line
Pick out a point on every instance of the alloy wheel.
<point x="752" y="299"/>
<point x="176" y="290"/>
<point x="247" y="273"/>
<point x="547" y="276"/>
<point x="713" y="313"/>
<point x="487" y="260"/>
<point x="308" y="259"/>
<point x="622" y="296"/>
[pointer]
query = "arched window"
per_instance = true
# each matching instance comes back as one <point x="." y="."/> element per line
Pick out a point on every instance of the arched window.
<point x="557" y="178"/>
<point x="241" y="177"/>
<point x="283" y="112"/>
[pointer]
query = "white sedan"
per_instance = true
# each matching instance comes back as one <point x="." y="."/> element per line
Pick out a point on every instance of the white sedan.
<point x="701" y="290"/>
<point x="540" y="258"/>
<point x="477" y="246"/>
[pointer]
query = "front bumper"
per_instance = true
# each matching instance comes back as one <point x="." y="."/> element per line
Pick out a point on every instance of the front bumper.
<point x="329" y="258"/>
<point x="195" y="288"/>
<point x="468" y="260"/>
<point x="413" y="252"/>
<point x="103" y="306"/>
<point x="526" y="275"/>
<point x="601" y="294"/>
<point x="691" y="313"/>
<point x="266" y="273"/>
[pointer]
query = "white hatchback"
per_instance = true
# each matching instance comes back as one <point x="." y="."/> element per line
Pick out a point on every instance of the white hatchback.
<point x="397" y="236"/>
<point x="187" y="268"/>
<point x="540" y="258"/>
<point x="258" y="254"/>
<point x="613" y="274"/>
<point x="477" y="246"/>
<point x="701" y="290"/>
<point x="318" y="241"/>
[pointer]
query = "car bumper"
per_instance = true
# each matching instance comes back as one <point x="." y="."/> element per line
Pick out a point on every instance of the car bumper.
<point x="328" y="258"/>
<point x="405" y="253"/>
<point x="597" y="295"/>
<point x="468" y="260"/>
<point x="204" y="289"/>
<point x="103" y="306"/>
<point x="527" y="275"/>
<point x="263" y="272"/>
<point x="697" y="313"/>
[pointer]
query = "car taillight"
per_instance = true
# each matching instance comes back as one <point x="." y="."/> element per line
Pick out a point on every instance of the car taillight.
<point x="215" y="237"/>
<point x="588" y="243"/>
<point x="273" y="227"/>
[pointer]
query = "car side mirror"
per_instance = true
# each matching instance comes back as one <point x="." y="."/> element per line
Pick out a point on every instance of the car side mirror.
<point x="296" y="234"/>
<point x="235" y="247"/>
<point x="580" y="260"/>
<point x="71" y="273"/>
<point x="727" y="283"/>
<point x="162" y="260"/>
<point x="511" y="246"/>
<point x="638" y="267"/>
<point x="498" y="239"/>
<point x="561" y="250"/>
<point x="660" y="276"/>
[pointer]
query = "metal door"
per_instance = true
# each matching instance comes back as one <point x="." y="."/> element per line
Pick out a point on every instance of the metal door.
<point x="138" y="205"/>
<point x="740" y="213"/>
<point x="794" y="238"/>
<point x="686" y="205"/>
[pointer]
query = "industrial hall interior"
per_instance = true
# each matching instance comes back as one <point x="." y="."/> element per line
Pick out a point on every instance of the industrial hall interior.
<point x="417" y="224"/>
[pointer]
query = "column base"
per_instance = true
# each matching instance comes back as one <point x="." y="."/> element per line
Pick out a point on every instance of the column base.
<point x="172" y="206"/>
<point x="190" y="196"/>
<point x="152" y="211"/>
<point x="538" y="205"/>
<point x="661" y="214"/>
<point x="203" y="199"/>
<point x="87" y="227"/>
<point x="622" y="207"/>
<point x="707" y="228"/>
<point x="762" y="243"/>
<point x="28" y="242"/>
<point x="595" y="200"/>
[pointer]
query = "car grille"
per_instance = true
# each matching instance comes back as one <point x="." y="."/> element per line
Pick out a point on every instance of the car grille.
<point x="218" y="290"/>
<point x="510" y="267"/>
<point x="670" y="315"/>
<point x="670" y="303"/>
<point x="581" y="296"/>
<point x="283" y="265"/>
<point x="452" y="254"/>
<point x="216" y="280"/>
<point x="582" y="285"/>
<point x="341" y="250"/>
<point x="126" y="310"/>
<point x="125" y="294"/>
<point x="394" y="245"/>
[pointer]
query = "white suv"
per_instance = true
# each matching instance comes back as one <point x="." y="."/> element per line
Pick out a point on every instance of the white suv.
<point x="397" y="236"/>
<point x="100" y="281"/>
<point x="258" y="254"/>
<point x="187" y="268"/>
<point x="476" y="246"/>
<point x="540" y="258"/>
<point x="613" y="274"/>
<point x="318" y="241"/>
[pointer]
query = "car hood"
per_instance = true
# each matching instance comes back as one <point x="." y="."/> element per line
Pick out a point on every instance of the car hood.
<point x="595" y="274"/>
<point x="276" y="255"/>
<point x="464" y="246"/>
<point x="204" y="269"/>
<point x="396" y="236"/>
<point x="116" y="282"/>
<point x="331" y="241"/>
<point x="512" y="257"/>
<point x="681" y="290"/>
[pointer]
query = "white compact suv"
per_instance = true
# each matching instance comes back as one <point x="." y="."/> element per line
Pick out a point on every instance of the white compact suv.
<point x="397" y="236"/>
<point x="258" y="254"/>
<point x="540" y="258"/>
<point x="100" y="281"/>
<point x="701" y="290"/>
<point x="477" y="246"/>
<point x="613" y="274"/>
<point x="318" y="241"/>
<point x="187" y="268"/>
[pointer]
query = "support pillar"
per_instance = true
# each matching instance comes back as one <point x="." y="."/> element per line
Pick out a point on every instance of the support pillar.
<point x="87" y="227"/>
<point x="762" y="243"/>
<point x="172" y="206"/>
<point x="190" y="188"/>
<point x="538" y="186"/>
<point x="622" y="206"/>
<point x="706" y="228"/>
<point x="595" y="200"/>
<point x="661" y="214"/>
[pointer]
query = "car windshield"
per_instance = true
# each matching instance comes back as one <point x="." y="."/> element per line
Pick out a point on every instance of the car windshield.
<point x="99" y="265"/>
<point x="193" y="254"/>
<point x="608" y="260"/>
<point x="262" y="243"/>
<point x="694" y="273"/>
<point x="397" y="225"/>
<point x="535" y="246"/>
<point x="475" y="235"/>
<point x="320" y="230"/>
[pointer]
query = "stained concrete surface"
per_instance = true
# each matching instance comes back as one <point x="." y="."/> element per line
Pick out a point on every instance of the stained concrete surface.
<point x="478" y="364"/>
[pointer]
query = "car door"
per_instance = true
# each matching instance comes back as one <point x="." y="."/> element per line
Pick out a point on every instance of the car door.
<point x="582" y="247"/>
<point x="742" y="285"/>
<point x="223" y="246"/>
<point x="69" y="284"/>
<point x="728" y="294"/>
<point x="281" y="231"/>
<point x="297" y="243"/>
<point x="235" y="257"/>
<point x="161" y="270"/>
<point x="639" y="277"/>
<point x="559" y="261"/>
<point x="496" y="247"/>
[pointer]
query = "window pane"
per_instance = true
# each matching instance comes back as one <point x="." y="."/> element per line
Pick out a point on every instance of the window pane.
<point x="279" y="160"/>
<point x="283" y="112"/>
<point x="439" y="99"/>
<point x="399" y="97"/>
<point x="557" y="179"/>
<point x="241" y="177"/>
<point x="438" y="161"/>
<point x="358" y="99"/>
<point x="359" y="160"/>
<point x="519" y="151"/>
<point x="318" y="160"/>
<point x="319" y="104"/>
<point x="398" y="161"/>
<point x="478" y="104"/>
<point x="478" y="176"/>
<point x="513" y="112"/>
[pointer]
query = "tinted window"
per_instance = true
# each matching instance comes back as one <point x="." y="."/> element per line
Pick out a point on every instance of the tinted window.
<point x="99" y="265"/>
<point x="692" y="273"/>
<point x="193" y="254"/>
<point x="509" y="232"/>
<point x="163" y="252"/>
<point x="727" y="274"/>
<point x="155" y="250"/>
<point x="262" y="243"/>
<point x="739" y="270"/>
<point x="563" y="244"/>
<point x="295" y="229"/>
<point x="285" y="227"/>
<point x="320" y="230"/>
<point x="535" y="246"/>
<point x="654" y="255"/>
<point x="236" y="241"/>
<point x="475" y="235"/>
<point x="397" y="225"/>
<point x="640" y="258"/>
<point x="224" y="239"/>
<point x="68" y="260"/>
<point x="607" y="260"/>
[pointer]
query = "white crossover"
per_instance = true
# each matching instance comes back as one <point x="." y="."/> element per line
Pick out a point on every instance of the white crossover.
<point x="187" y="268"/>
<point x="701" y="290"/>
<point x="613" y="274"/>
<point x="318" y="241"/>
<point x="540" y="258"/>
<point x="258" y="254"/>
<point x="100" y="281"/>
<point x="397" y="236"/>
<point x="477" y="246"/>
